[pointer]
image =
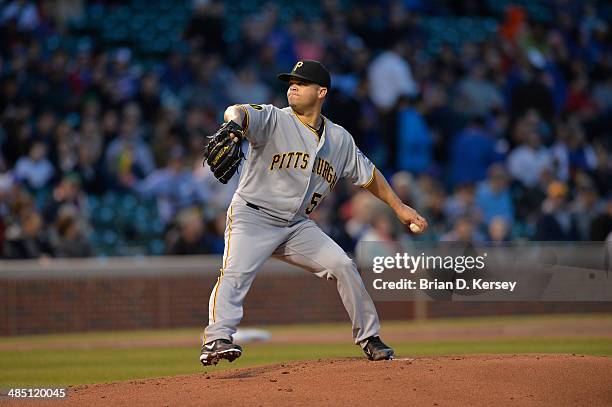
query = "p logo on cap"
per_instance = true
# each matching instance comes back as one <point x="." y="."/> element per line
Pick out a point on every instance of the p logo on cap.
<point x="299" y="64"/>
<point x="309" y="71"/>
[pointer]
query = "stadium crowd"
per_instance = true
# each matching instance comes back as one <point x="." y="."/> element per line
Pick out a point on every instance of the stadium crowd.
<point x="501" y="138"/>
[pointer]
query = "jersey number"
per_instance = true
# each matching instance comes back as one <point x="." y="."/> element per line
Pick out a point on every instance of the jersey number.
<point x="313" y="203"/>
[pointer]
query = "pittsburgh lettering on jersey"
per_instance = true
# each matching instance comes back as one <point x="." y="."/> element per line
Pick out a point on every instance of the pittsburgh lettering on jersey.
<point x="298" y="159"/>
<point x="293" y="159"/>
<point x="326" y="171"/>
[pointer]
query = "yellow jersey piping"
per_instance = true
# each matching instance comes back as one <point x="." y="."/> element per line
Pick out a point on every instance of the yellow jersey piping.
<point x="227" y="254"/>
<point x="367" y="184"/>
<point x="308" y="126"/>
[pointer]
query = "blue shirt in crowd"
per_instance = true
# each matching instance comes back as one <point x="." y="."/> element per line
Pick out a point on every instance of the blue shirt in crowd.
<point x="472" y="152"/>
<point x="414" y="144"/>
<point x="494" y="204"/>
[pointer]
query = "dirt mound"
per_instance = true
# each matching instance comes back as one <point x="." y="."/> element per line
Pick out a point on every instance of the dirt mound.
<point x="475" y="380"/>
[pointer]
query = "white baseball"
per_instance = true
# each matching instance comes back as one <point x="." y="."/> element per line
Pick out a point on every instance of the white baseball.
<point x="415" y="228"/>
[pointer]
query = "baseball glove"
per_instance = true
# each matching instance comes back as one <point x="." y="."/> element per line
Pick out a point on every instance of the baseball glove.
<point x="222" y="154"/>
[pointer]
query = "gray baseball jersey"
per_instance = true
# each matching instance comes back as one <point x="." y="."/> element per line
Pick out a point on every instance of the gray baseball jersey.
<point x="289" y="170"/>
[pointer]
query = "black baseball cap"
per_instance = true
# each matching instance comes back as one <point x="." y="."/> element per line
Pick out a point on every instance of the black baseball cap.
<point x="309" y="71"/>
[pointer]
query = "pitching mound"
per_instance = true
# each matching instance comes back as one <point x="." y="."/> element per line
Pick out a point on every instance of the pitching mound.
<point x="475" y="380"/>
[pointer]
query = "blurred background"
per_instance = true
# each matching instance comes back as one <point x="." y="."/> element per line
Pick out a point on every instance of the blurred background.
<point x="491" y="118"/>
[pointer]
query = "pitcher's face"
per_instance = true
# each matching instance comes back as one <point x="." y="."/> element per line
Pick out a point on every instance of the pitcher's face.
<point x="302" y="95"/>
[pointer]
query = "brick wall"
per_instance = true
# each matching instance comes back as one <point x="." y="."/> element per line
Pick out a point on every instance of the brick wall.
<point x="165" y="293"/>
<point x="63" y="305"/>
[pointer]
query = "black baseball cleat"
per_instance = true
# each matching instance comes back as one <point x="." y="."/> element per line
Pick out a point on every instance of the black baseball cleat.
<point x="375" y="349"/>
<point x="213" y="352"/>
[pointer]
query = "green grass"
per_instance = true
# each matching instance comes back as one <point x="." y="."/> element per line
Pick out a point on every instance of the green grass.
<point x="61" y="360"/>
<point x="61" y="367"/>
<point x="194" y="333"/>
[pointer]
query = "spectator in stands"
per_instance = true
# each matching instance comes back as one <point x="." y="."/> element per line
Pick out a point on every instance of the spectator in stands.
<point x="585" y="207"/>
<point x="601" y="225"/>
<point x="247" y="87"/>
<point x="531" y="91"/>
<point x="358" y="212"/>
<point x="493" y="197"/>
<point x="54" y="88"/>
<point x="128" y="157"/>
<point x="205" y="30"/>
<point x="148" y="97"/>
<point x="35" y="169"/>
<point x="578" y="97"/>
<point x="476" y="95"/>
<point x="110" y="127"/>
<point x="80" y="72"/>
<point x="434" y="200"/>
<point x="67" y="193"/>
<point x="441" y="118"/>
<point x="463" y="231"/>
<point x="66" y="143"/>
<point x="167" y="136"/>
<point x="473" y="145"/>
<point x="529" y="160"/>
<point x="407" y="189"/>
<point x="602" y="95"/>
<point x="70" y="240"/>
<point x="122" y="78"/>
<point x="6" y="187"/>
<point x="414" y="141"/>
<point x="602" y="175"/>
<point x="24" y="12"/>
<point x="498" y="230"/>
<point x="90" y="169"/>
<point x="176" y="74"/>
<point x="26" y="238"/>
<point x="384" y="237"/>
<point x="556" y="223"/>
<point x="209" y="85"/>
<point x="390" y="77"/>
<point x="191" y="238"/>
<point x="215" y="232"/>
<point x="368" y="130"/>
<point x="571" y="152"/>
<point x="174" y="187"/>
<point x="18" y="132"/>
<point x="462" y="204"/>
<point x="43" y="131"/>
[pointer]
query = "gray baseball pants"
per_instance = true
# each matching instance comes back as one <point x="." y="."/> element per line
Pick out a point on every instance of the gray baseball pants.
<point x="251" y="237"/>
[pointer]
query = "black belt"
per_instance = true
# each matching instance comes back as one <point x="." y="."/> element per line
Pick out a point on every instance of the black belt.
<point x="250" y="205"/>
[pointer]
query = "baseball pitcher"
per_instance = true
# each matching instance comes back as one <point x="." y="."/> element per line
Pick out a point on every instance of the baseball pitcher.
<point x="295" y="158"/>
